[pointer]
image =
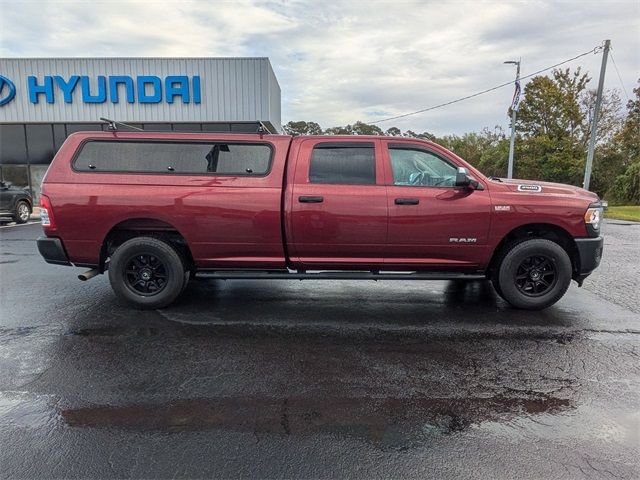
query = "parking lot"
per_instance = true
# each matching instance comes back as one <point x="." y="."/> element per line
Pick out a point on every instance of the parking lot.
<point x="317" y="379"/>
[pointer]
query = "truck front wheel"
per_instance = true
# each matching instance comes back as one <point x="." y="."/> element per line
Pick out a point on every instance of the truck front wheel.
<point x="533" y="274"/>
<point x="147" y="273"/>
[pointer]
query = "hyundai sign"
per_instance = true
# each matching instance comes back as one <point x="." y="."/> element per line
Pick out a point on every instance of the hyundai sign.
<point x="139" y="90"/>
<point x="7" y="90"/>
<point x="143" y="89"/>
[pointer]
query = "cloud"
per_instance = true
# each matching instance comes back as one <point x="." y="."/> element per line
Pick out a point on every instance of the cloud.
<point x="338" y="62"/>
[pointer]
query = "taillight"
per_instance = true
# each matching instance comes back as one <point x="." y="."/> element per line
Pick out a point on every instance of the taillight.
<point x="46" y="213"/>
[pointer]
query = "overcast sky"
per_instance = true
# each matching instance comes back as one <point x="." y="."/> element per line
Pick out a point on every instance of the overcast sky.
<point x="339" y="62"/>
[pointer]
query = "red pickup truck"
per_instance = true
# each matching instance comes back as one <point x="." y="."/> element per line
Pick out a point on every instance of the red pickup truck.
<point x="154" y="208"/>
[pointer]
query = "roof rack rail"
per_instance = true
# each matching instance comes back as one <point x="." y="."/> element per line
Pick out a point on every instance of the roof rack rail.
<point x="113" y="125"/>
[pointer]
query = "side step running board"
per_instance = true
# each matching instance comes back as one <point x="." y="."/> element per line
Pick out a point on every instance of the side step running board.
<point x="283" y="275"/>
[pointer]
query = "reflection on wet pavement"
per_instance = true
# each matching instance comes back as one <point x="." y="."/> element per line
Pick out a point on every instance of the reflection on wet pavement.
<point x="378" y="420"/>
<point x="319" y="333"/>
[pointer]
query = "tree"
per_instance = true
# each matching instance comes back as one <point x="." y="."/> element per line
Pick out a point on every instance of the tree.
<point x="495" y="158"/>
<point x="553" y="127"/>
<point x="551" y="107"/>
<point x="361" y="128"/>
<point x="358" y="128"/>
<point x="424" y="135"/>
<point x="625" y="145"/>
<point x="348" y="130"/>
<point x="302" y="128"/>
<point x="471" y="146"/>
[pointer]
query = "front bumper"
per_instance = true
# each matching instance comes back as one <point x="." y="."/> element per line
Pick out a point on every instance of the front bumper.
<point x="589" y="254"/>
<point x="52" y="251"/>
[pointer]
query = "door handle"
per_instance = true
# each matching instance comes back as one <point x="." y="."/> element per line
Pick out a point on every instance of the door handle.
<point x="311" y="199"/>
<point x="407" y="201"/>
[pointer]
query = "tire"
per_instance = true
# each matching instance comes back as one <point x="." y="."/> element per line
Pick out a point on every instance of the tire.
<point x="533" y="274"/>
<point x="22" y="212"/>
<point x="496" y="284"/>
<point x="185" y="283"/>
<point x="147" y="273"/>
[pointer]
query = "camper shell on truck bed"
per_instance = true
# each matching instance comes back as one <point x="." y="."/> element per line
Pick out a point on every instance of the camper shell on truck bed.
<point x="155" y="208"/>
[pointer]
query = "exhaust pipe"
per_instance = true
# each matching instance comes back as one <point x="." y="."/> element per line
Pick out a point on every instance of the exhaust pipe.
<point x="88" y="275"/>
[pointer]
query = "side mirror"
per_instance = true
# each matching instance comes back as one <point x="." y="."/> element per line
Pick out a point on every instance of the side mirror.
<point x="463" y="179"/>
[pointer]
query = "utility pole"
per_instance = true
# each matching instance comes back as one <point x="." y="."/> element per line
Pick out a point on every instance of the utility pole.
<point x="514" y="109"/>
<point x="596" y="113"/>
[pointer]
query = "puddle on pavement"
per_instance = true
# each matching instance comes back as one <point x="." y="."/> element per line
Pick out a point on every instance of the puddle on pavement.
<point x="26" y="410"/>
<point x="585" y="422"/>
<point x="385" y="422"/>
<point x="21" y="364"/>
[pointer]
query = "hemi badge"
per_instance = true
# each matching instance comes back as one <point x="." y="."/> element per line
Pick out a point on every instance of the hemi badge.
<point x="529" y="188"/>
<point x="502" y="208"/>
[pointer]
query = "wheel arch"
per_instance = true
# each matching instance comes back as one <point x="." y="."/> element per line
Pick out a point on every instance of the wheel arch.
<point x="548" y="231"/>
<point x="23" y="198"/>
<point x="144" y="227"/>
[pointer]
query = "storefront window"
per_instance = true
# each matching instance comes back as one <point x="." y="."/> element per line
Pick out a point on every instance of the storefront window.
<point x="40" y="143"/>
<point x="17" y="175"/>
<point x="13" y="147"/>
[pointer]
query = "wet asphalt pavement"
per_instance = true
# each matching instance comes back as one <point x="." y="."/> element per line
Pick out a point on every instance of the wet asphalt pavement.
<point x="315" y="379"/>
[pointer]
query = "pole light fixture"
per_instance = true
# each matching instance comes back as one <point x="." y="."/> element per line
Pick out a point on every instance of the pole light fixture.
<point x="514" y="108"/>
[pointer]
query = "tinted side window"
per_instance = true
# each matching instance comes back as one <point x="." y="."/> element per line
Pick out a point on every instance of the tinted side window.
<point x="420" y="168"/>
<point x="164" y="157"/>
<point x="343" y="164"/>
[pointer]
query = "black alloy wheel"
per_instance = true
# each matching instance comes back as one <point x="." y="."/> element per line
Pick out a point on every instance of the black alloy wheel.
<point x="535" y="276"/>
<point x="145" y="274"/>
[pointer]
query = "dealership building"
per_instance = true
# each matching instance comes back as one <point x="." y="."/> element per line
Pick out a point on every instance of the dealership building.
<point x="43" y="100"/>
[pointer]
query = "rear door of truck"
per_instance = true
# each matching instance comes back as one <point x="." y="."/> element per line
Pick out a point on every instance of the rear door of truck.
<point x="335" y="203"/>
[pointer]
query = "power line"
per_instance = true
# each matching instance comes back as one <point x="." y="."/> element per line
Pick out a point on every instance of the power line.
<point x="619" y="76"/>
<point x="594" y="50"/>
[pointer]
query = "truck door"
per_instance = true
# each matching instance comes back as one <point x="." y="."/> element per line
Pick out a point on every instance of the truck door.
<point x="432" y="224"/>
<point x="336" y="204"/>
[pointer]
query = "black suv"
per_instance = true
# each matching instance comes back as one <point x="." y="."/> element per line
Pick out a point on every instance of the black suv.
<point x="15" y="202"/>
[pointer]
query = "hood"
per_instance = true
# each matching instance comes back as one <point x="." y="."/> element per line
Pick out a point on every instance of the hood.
<point x="536" y="187"/>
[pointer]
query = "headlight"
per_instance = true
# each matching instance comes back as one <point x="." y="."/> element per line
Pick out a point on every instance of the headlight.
<point x="593" y="217"/>
<point x="593" y="220"/>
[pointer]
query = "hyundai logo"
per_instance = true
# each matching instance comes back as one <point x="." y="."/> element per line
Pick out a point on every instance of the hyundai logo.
<point x="7" y="90"/>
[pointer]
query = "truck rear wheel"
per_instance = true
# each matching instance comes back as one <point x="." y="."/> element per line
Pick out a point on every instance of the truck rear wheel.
<point x="147" y="273"/>
<point x="533" y="274"/>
